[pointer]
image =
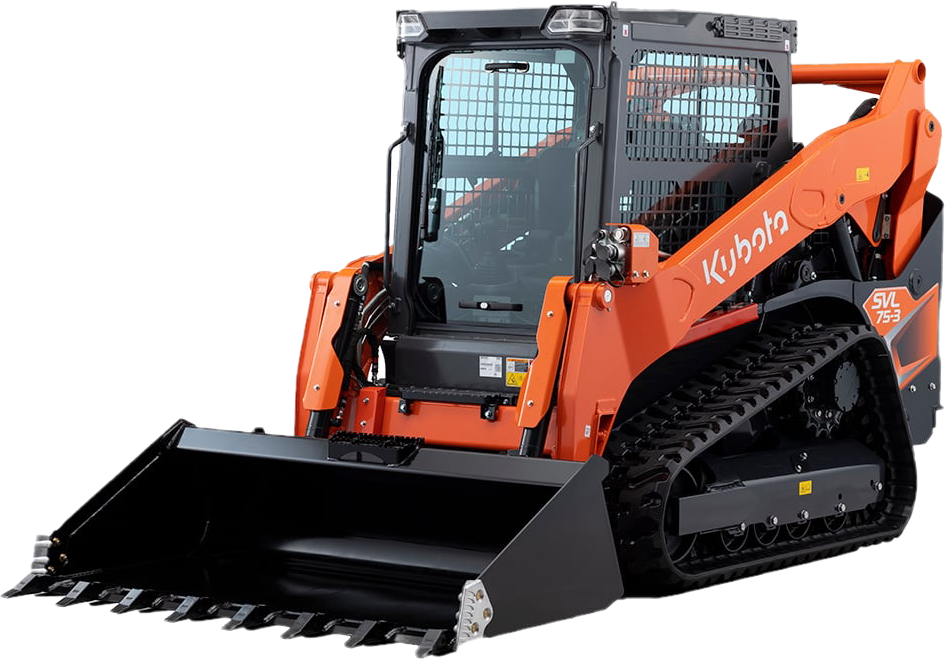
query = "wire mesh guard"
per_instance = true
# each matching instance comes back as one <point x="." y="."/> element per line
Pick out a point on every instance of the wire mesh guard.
<point x="676" y="212"/>
<point x="495" y="113"/>
<point x="504" y="113"/>
<point x="700" y="108"/>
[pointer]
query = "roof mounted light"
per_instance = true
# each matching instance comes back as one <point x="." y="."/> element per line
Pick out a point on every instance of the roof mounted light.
<point x="574" y="20"/>
<point x="410" y="27"/>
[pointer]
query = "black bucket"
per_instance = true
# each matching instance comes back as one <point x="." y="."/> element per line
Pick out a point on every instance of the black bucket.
<point x="271" y="529"/>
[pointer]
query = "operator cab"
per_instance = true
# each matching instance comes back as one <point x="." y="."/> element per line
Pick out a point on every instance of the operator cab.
<point x="529" y="132"/>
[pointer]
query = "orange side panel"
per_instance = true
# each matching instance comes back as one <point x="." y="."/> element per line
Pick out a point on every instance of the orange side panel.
<point x="590" y="364"/>
<point x="910" y="327"/>
<point x="326" y="374"/>
<point x="535" y="395"/>
<point x="324" y="384"/>
<point x="319" y="286"/>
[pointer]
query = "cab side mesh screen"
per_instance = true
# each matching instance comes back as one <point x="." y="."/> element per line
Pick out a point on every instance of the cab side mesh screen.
<point x="676" y="212"/>
<point x="700" y="108"/>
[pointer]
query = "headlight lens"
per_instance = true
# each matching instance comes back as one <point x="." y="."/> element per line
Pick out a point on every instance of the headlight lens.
<point x="565" y="21"/>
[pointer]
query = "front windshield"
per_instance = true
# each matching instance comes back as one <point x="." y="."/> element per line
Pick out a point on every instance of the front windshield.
<point x="498" y="217"/>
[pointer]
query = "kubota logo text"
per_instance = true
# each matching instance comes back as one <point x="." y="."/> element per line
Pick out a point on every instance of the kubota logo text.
<point x="723" y="266"/>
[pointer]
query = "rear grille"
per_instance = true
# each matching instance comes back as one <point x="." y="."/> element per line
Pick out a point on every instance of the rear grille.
<point x="676" y="212"/>
<point x="756" y="29"/>
<point x="700" y="108"/>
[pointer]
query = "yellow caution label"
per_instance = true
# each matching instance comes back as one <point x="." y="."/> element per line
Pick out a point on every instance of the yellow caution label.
<point x="516" y="370"/>
<point x="862" y="174"/>
<point x="804" y="487"/>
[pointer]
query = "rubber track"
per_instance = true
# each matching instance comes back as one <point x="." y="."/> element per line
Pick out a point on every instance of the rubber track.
<point x="648" y="451"/>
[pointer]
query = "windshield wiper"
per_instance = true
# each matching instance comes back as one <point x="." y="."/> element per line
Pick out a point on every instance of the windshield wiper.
<point x="491" y="305"/>
<point x="435" y="150"/>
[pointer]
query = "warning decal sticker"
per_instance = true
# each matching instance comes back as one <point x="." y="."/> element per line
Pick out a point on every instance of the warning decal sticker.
<point x="491" y="366"/>
<point x="516" y="369"/>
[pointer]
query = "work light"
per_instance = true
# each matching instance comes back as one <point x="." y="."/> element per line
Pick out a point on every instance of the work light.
<point x="568" y="21"/>
<point x="410" y="27"/>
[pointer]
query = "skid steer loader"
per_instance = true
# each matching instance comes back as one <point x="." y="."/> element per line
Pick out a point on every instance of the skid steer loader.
<point x="635" y="340"/>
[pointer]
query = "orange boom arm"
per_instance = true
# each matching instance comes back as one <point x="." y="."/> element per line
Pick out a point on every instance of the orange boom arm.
<point x="615" y="333"/>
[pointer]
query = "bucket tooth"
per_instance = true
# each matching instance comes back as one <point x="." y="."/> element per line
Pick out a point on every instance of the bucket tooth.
<point x="191" y="607"/>
<point x="32" y="584"/>
<point x="160" y="603"/>
<point x="82" y="592"/>
<point x="135" y="599"/>
<point x="435" y="642"/>
<point x="308" y="624"/>
<point x="109" y="596"/>
<point x="366" y="633"/>
<point x="248" y="616"/>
